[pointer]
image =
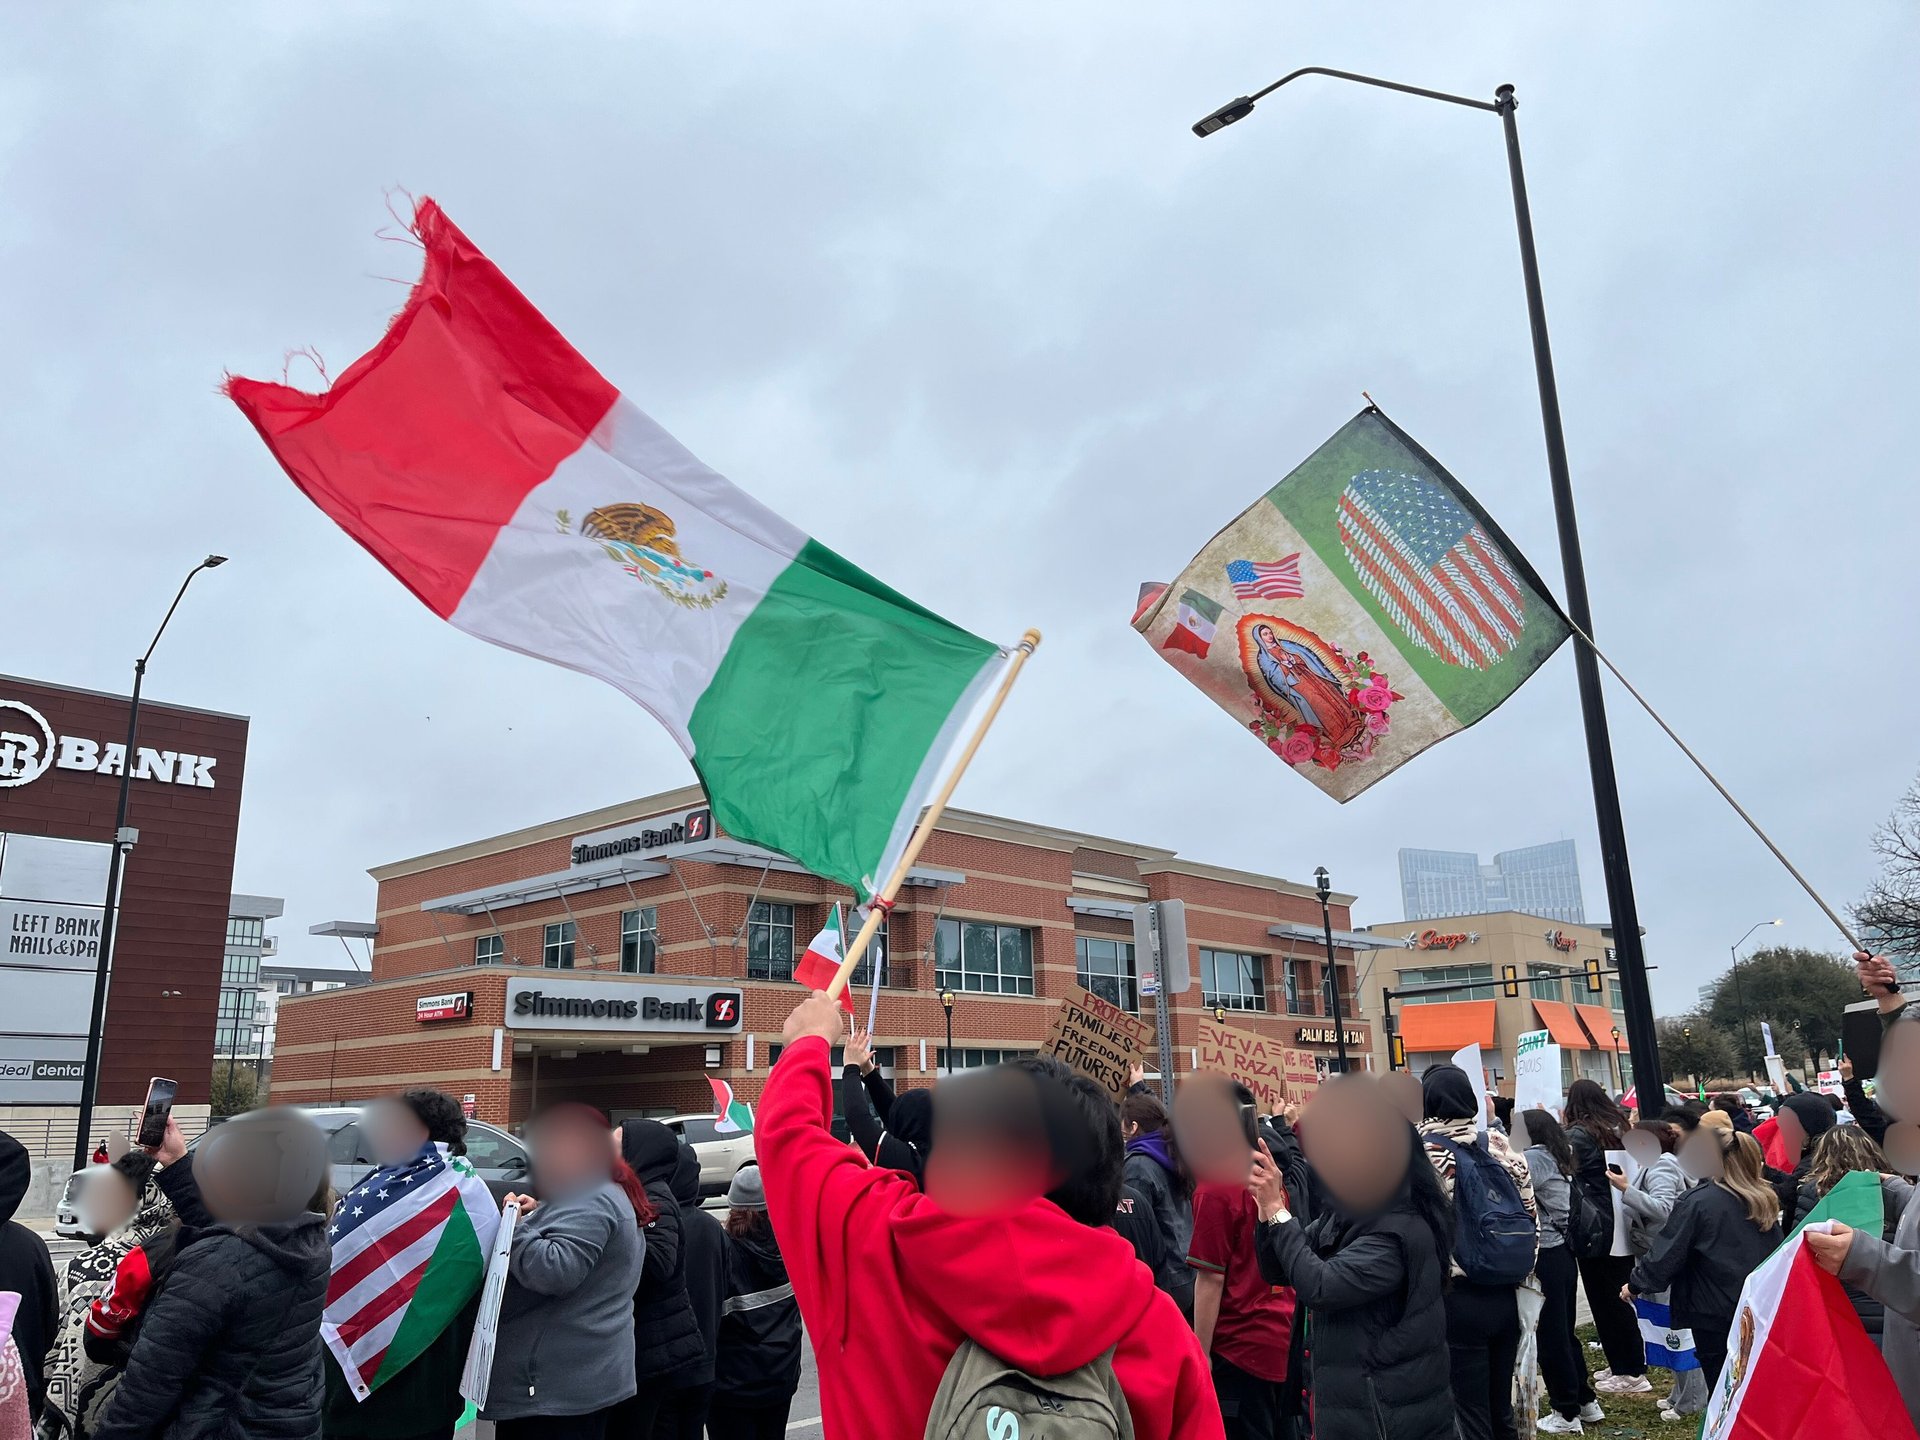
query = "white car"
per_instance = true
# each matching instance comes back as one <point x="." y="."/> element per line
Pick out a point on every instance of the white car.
<point x="722" y="1156"/>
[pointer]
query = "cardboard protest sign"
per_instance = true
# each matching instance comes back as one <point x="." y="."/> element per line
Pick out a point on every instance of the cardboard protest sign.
<point x="1100" y="1041"/>
<point x="1536" y="1073"/>
<point x="1275" y="1073"/>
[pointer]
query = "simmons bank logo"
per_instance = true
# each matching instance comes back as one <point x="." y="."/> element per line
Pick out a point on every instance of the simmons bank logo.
<point x="29" y="748"/>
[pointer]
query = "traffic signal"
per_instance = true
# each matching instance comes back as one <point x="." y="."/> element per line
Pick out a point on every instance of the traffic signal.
<point x="1510" y="981"/>
<point x="1595" y="985"/>
<point x="1396" y="1052"/>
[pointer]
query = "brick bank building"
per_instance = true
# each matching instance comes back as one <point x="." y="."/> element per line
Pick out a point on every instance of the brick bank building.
<point x="625" y="956"/>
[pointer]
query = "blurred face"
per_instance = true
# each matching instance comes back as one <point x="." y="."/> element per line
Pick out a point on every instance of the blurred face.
<point x="1792" y="1133"/>
<point x="570" y="1154"/>
<point x="106" y="1202"/>
<point x="1897" y="1086"/>
<point x="990" y="1153"/>
<point x="1356" y="1139"/>
<point x="1211" y="1130"/>
<point x="1643" y="1147"/>
<point x="1402" y="1090"/>
<point x="394" y="1133"/>
<point x="1701" y="1156"/>
<point x="262" y="1168"/>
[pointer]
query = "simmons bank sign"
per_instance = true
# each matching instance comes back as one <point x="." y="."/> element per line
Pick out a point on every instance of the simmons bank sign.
<point x="29" y="749"/>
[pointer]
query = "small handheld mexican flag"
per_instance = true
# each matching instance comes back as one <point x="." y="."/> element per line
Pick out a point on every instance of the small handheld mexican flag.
<point x="1799" y="1362"/>
<point x="821" y="963"/>
<point x="730" y="1116"/>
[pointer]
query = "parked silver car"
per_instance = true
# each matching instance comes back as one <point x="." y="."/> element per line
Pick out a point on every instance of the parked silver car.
<point x="498" y="1158"/>
<point x="722" y="1156"/>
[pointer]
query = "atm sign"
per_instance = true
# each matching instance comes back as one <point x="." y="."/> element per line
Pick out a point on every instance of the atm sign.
<point x="457" y="1005"/>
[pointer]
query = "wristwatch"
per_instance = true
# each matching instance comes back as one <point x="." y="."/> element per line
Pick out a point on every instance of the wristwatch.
<point x="1280" y="1217"/>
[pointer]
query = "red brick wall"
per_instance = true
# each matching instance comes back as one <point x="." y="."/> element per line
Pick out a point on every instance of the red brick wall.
<point x="173" y="922"/>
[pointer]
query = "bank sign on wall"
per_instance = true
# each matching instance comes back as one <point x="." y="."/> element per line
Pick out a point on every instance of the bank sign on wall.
<point x="620" y="1007"/>
<point x="29" y="748"/>
<point x="51" y="897"/>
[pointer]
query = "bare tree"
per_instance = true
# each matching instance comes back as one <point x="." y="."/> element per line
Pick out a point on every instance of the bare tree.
<point x="1891" y="907"/>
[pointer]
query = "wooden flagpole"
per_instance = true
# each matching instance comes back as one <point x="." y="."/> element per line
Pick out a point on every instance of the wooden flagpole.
<point x="915" y="843"/>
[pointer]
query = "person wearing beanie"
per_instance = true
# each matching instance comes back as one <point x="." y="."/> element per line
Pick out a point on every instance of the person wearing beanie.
<point x="1802" y="1120"/>
<point x="1483" y="1321"/>
<point x="757" y="1367"/>
<point x="1716" y="1120"/>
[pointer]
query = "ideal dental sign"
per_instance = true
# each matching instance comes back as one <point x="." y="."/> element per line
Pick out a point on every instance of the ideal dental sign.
<point x="29" y="748"/>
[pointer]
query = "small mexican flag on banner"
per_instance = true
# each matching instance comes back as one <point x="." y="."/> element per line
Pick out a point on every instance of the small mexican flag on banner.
<point x="521" y="497"/>
<point x="1366" y="608"/>
<point x="1193" y="626"/>
<point x="821" y="963"/>
<point x="1799" y="1362"/>
<point x="730" y="1116"/>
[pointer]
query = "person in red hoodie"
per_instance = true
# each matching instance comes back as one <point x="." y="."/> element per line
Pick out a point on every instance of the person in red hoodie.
<point x="889" y="1283"/>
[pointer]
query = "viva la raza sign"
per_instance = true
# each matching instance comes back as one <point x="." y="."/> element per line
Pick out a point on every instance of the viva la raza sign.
<point x="29" y="749"/>
<point x="1276" y="1074"/>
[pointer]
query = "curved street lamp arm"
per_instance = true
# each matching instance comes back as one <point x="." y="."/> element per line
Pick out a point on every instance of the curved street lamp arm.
<point x="1381" y="84"/>
<point x="206" y="564"/>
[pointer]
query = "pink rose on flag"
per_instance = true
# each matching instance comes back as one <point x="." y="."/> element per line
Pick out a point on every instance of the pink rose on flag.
<point x="1377" y="722"/>
<point x="1298" y="749"/>
<point x="1376" y="697"/>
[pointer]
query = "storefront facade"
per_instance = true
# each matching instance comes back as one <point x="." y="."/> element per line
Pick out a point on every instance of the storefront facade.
<point x="627" y="956"/>
<point x="1474" y="951"/>
<point x="61" y="754"/>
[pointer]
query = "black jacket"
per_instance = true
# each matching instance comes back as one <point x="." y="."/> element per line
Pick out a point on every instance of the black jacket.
<point x="1373" y="1288"/>
<point x="668" y="1349"/>
<point x="423" y="1399"/>
<point x="1170" y="1206"/>
<point x="1133" y="1221"/>
<point x="759" y="1359"/>
<point x="1590" y="1175"/>
<point x="26" y="1266"/>
<point x="1704" y="1256"/>
<point x="894" y="1131"/>
<point x="1894" y="1194"/>
<point x="705" y="1242"/>
<point x="1867" y="1113"/>
<point x="230" y="1346"/>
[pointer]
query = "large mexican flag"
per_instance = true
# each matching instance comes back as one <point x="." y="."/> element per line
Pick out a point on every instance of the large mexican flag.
<point x="518" y="494"/>
<point x="1368" y="608"/>
<point x="1799" y="1362"/>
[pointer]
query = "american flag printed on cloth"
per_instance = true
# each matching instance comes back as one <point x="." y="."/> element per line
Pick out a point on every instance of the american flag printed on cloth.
<point x="1426" y="559"/>
<point x="410" y="1247"/>
<point x="1274" y="580"/>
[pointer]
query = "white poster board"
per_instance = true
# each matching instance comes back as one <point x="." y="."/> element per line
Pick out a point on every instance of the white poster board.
<point x="1469" y="1061"/>
<point x="1536" y="1073"/>
<point x="1766" y="1037"/>
<point x="486" y="1327"/>
<point x="1622" y="1222"/>
<point x="1777" y="1073"/>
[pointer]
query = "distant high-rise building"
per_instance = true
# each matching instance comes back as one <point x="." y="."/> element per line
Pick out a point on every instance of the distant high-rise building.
<point x="1540" y="880"/>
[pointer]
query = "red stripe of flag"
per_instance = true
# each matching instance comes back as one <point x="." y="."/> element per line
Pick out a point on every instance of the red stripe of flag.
<point x="1464" y="647"/>
<point x="392" y="1244"/>
<point x="1472" y="580"/>
<point x="424" y="448"/>
<point x="1392" y="580"/>
<point x="1460" y="585"/>
<point x="1497" y="567"/>
<point x="396" y="1296"/>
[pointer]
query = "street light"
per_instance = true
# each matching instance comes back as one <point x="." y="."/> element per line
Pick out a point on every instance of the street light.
<point x="1739" y="997"/>
<point x="1325" y="887"/>
<point x="1606" y="790"/>
<point x="123" y="840"/>
<point x="946" y="999"/>
<point x="1619" y="1086"/>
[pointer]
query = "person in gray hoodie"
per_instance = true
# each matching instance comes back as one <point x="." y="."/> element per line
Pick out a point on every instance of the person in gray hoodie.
<point x="563" y="1356"/>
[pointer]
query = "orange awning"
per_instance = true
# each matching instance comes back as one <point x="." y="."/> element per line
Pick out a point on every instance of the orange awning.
<point x="1558" y="1018"/>
<point x="1448" y="1027"/>
<point x="1600" y="1022"/>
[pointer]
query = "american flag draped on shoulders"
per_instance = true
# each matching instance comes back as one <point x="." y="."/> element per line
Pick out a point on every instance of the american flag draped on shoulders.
<point x="410" y="1245"/>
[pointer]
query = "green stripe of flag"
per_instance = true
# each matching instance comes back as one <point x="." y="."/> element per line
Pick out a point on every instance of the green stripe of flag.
<point x="814" y="733"/>
<point x="454" y="1272"/>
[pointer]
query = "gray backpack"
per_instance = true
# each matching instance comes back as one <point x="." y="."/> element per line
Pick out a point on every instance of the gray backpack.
<point x="981" y="1397"/>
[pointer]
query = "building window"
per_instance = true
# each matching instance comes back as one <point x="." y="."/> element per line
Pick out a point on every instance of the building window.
<point x="1298" y="987"/>
<point x="983" y="957"/>
<point x="1546" y="983"/>
<point x="1231" y="980"/>
<point x="1476" y="982"/>
<point x="489" y="949"/>
<point x="639" y="934"/>
<point x="556" y="947"/>
<point x="1616" y="997"/>
<point x="863" y="972"/>
<point x="769" y="941"/>
<point x="1105" y="967"/>
<point x="239" y="969"/>
<point x="245" y="930"/>
<point x="976" y="1059"/>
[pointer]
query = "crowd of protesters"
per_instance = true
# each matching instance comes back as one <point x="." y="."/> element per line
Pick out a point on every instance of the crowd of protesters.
<point x="1393" y="1262"/>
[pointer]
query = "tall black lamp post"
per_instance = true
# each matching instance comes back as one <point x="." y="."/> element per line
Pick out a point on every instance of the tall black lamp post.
<point x="123" y="841"/>
<point x="946" y="1001"/>
<point x="1325" y="885"/>
<point x="1606" y="793"/>
<point x="1739" y="995"/>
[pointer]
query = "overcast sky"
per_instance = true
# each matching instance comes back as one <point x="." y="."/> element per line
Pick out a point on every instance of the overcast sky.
<point x="953" y="288"/>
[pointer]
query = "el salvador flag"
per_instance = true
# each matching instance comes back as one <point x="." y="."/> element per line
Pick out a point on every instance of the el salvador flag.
<point x="1667" y="1347"/>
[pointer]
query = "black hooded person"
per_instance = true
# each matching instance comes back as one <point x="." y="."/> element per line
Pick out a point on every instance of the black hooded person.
<point x="1804" y="1117"/>
<point x="27" y="1267"/>
<point x="703" y="1240"/>
<point x="669" y="1353"/>
<point x="904" y="1141"/>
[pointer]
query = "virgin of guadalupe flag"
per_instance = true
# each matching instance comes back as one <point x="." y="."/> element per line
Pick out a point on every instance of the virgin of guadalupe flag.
<point x="519" y="495"/>
<point x="410" y="1247"/>
<point x="1364" y="608"/>
<point x="1799" y="1362"/>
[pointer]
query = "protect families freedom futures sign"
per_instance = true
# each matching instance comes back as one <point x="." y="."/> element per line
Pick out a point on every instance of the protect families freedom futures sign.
<point x="1099" y="1040"/>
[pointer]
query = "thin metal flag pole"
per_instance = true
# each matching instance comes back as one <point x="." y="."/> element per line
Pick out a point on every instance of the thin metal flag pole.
<point x="1022" y="652"/>
<point x="1725" y="794"/>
